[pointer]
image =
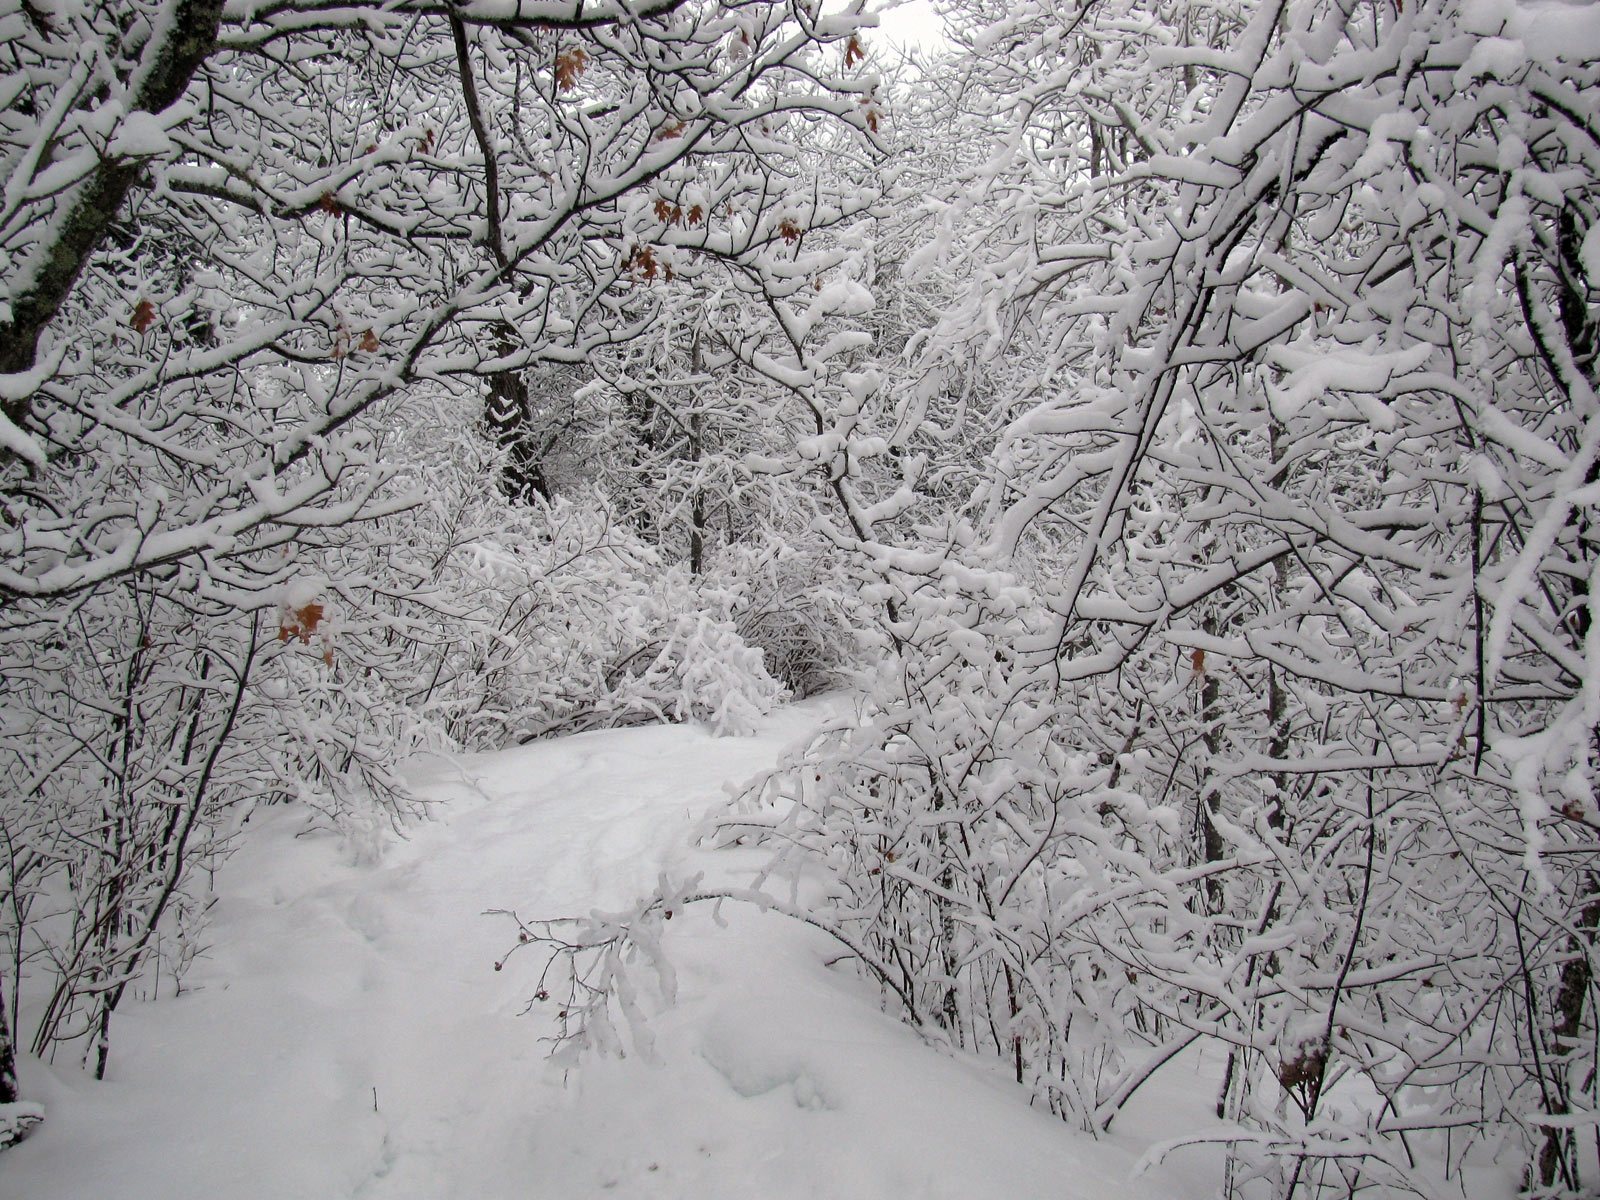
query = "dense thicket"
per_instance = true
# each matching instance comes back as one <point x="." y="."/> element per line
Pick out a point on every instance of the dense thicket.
<point x="1243" y="699"/>
<point x="1250" y="699"/>
<point x="294" y="295"/>
<point x="1190" y="405"/>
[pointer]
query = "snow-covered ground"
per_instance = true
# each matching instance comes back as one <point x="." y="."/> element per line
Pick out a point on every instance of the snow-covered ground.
<point x="348" y="1036"/>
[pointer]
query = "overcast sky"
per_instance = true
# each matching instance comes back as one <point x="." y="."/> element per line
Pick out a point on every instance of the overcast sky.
<point x="911" y="24"/>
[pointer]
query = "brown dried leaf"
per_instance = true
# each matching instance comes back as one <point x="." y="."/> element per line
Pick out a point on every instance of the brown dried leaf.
<point x="642" y="262"/>
<point x="873" y="111"/>
<point x="301" y="623"/>
<point x="569" y="65"/>
<point x="1303" y="1069"/>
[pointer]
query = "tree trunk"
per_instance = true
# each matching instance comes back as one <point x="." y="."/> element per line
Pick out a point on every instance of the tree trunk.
<point x="1572" y="992"/>
<point x="697" y="505"/>
<point x="8" y="1054"/>
<point x="164" y="71"/>
<point x="1209" y="802"/>
<point x="509" y="417"/>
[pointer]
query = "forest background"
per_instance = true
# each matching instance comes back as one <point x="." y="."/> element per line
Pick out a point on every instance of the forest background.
<point x="1178" y="416"/>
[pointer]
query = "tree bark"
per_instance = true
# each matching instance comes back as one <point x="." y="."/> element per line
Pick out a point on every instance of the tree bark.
<point x="166" y="67"/>
<point x="1572" y="993"/>
<point x="8" y="1055"/>
<point x="509" y="416"/>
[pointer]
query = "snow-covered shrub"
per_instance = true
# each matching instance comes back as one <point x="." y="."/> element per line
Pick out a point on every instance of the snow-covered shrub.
<point x="703" y="671"/>
<point x="1282" y="737"/>
<point x="797" y="608"/>
<point x="967" y="838"/>
<point x="119" y="794"/>
<point x="582" y="627"/>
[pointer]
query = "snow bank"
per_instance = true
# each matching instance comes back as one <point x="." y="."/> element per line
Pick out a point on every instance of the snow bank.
<point x="348" y="1035"/>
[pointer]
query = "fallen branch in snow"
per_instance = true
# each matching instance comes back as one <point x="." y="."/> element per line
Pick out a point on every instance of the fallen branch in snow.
<point x="591" y="959"/>
<point x="1325" y="1141"/>
<point x="17" y="1121"/>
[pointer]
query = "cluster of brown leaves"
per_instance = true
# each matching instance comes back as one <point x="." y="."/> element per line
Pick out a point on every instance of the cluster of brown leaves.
<point x="1303" y="1069"/>
<point x="144" y="316"/>
<point x="643" y="264"/>
<point x="873" y="112"/>
<point x="853" y="53"/>
<point x="300" y="624"/>
<point x="367" y="343"/>
<point x="669" y="213"/>
<point x="569" y="65"/>
<point x="668" y="131"/>
<point x="329" y="203"/>
<point x="789" y="230"/>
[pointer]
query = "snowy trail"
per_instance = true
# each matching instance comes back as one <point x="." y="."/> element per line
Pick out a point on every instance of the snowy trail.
<point x="348" y="1037"/>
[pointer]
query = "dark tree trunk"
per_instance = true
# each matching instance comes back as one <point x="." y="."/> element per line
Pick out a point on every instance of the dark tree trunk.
<point x="1572" y="994"/>
<point x="1212" y="846"/>
<point x="509" y="417"/>
<point x="8" y="1054"/>
<point x="507" y="412"/>
<point x="165" y="68"/>
<point x="697" y="506"/>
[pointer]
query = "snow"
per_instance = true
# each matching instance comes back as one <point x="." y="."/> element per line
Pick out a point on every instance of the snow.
<point x="913" y="24"/>
<point x="19" y="443"/>
<point x="348" y="1036"/>
<point x="141" y="135"/>
<point x="1512" y="35"/>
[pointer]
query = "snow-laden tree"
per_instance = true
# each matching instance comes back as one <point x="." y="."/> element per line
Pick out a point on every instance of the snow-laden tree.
<point x="1250" y="702"/>
<point x="244" y="249"/>
<point x="710" y="432"/>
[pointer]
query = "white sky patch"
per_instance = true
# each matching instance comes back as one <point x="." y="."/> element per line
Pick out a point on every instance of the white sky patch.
<point x="913" y="25"/>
